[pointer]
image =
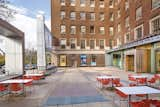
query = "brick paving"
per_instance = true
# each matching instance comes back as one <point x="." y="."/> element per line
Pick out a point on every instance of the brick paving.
<point x="69" y="82"/>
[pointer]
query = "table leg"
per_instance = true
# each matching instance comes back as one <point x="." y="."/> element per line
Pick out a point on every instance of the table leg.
<point x="129" y="101"/>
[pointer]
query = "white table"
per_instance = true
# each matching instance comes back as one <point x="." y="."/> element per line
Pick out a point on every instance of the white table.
<point x="19" y="81"/>
<point x="139" y="76"/>
<point x="138" y="90"/>
<point x="33" y="75"/>
<point x="108" y="77"/>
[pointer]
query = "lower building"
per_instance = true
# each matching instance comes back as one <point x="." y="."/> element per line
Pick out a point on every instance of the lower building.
<point x="80" y="58"/>
<point x="138" y="56"/>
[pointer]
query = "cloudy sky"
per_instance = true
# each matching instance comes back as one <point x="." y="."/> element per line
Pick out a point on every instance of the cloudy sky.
<point x="25" y="20"/>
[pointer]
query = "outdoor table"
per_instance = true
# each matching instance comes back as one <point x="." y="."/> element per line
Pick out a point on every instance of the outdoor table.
<point x="137" y="77"/>
<point x="18" y="81"/>
<point x="138" y="90"/>
<point x="34" y="75"/>
<point x="108" y="77"/>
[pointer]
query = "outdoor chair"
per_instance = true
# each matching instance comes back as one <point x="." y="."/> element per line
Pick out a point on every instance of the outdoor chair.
<point x="105" y="82"/>
<point x="151" y="81"/>
<point x="137" y="104"/>
<point x="117" y="83"/>
<point x="123" y="97"/>
<point x="15" y="88"/>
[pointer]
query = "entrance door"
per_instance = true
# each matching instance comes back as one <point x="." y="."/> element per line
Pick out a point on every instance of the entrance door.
<point x="63" y="60"/>
<point x="130" y="62"/>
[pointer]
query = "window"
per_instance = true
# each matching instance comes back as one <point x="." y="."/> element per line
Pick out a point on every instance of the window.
<point x="126" y="4"/>
<point x="83" y="44"/>
<point x="82" y="16"/>
<point x="155" y="4"/>
<point x="138" y="32"/>
<point x="118" y="41"/>
<point x="155" y="25"/>
<point x="63" y="14"/>
<point x="92" y="16"/>
<point x="73" y="43"/>
<point x="111" y="4"/>
<point x="82" y="3"/>
<point x="73" y="30"/>
<point x="101" y="44"/>
<point x="138" y="13"/>
<point x="92" y="29"/>
<point x="92" y="44"/>
<point x="111" y="31"/>
<point x="63" y="43"/>
<point x="101" y="30"/>
<point x="111" y="17"/>
<point x="93" y="60"/>
<point x="72" y="2"/>
<point x="73" y="15"/>
<point x="101" y="3"/>
<point x="127" y="22"/>
<point x="118" y="13"/>
<point x="101" y="16"/>
<point x="92" y="3"/>
<point x="62" y="2"/>
<point x="63" y="29"/>
<point x="119" y="27"/>
<point x="83" y="29"/>
<point x="127" y="37"/>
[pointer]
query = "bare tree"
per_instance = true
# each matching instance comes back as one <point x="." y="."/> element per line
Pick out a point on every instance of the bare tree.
<point x="6" y="12"/>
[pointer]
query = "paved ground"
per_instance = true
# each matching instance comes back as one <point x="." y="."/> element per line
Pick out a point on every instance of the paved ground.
<point x="66" y="82"/>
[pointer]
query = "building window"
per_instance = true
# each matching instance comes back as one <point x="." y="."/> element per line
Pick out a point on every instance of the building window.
<point x="82" y="16"/>
<point x="83" y="44"/>
<point x="101" y="44"/>
<point x="73" y="30"/>
<point x="126" y="4"/>
<point x="119" y="13"/>
<point x="83" y="29"/>
<point x="155" y="25"/>
<point x="92" y="44"/>
<point x="62" y="2"/>
<point x="92" y="16"/>
<point x="118" y="41"/>
<point x="127" y="22"/>
<point x="138" y="13"/>
<point x="111" y="16"/>
<point x="111" y="4"/>
<point x="127" y="37"/>
<point x="92" y="3"/>
<point x="138" y="32"/>
<point x="111" y="31"/>
<point x="93" y="60"/>
<point x="101" y="16"/>
<point x="119" y="27"/>
<point x="73" y="15"/>
<point x="82" y="3"/>
<point x="63" y="29"/>
<point x="101" y="3"/>
<point x="72" y="2"/>
<point x="63" y="14"/>
<point x="63" y="43"/>
<point x="155" y="4"/>
<point x="92" y="29"/>
<point x="101" y="30"/>
<point x="73" y="43"/>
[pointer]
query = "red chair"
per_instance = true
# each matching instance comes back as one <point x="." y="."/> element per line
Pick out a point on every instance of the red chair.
<point x="156" y="103"/>
<point x="132" y="84"/>
<point x="15" y="87"/>
<point x="105" y="82"/>
<point x="152" y="81"/>
<point x="142" y="81"/>
<point x="123" y="97"/>
<point x="137" y="104"/>
<point x="116" y="82"/>
<point x="2" y="88"/>
<point x="131" y="78"/>
<point x="147" y="103"/>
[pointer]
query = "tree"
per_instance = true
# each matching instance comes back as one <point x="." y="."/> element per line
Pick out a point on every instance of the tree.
<point x="6" y="12"/>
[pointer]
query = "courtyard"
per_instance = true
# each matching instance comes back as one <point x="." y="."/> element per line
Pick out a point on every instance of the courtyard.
<point x="58" y="89"/>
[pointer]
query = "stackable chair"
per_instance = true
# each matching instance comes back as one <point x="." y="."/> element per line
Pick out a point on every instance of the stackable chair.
<point x="15" y="88"/>
<point x="117" y="83"/>
<point x="123" y="97"/>
<point x="151" y="81"/>
<point x="105" y="82"/>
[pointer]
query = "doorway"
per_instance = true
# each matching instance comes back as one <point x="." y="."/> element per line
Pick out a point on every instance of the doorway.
<point x="63" y="60"/>
<point x="130" y="62"/>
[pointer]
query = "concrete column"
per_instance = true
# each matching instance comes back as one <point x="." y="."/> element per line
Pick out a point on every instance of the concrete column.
<point x="108" y="59"/>
<point x="122" y="61"/>
<point x="41" y="55"/>
<point x="153" y="65"/>
<point x="14" y="56"/>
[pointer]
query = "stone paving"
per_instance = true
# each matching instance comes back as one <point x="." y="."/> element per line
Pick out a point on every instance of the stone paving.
<point x="69" y="82"/>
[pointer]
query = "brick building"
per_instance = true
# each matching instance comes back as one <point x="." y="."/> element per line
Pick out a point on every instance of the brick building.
<point x="136" y="41"/>
<point x="80" y="32"/>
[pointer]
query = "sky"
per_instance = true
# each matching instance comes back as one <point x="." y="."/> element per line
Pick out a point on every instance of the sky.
<point x="25" y="19"/>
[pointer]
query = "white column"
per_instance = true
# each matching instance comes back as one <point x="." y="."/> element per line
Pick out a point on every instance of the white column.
<point x="41" y="55"/>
